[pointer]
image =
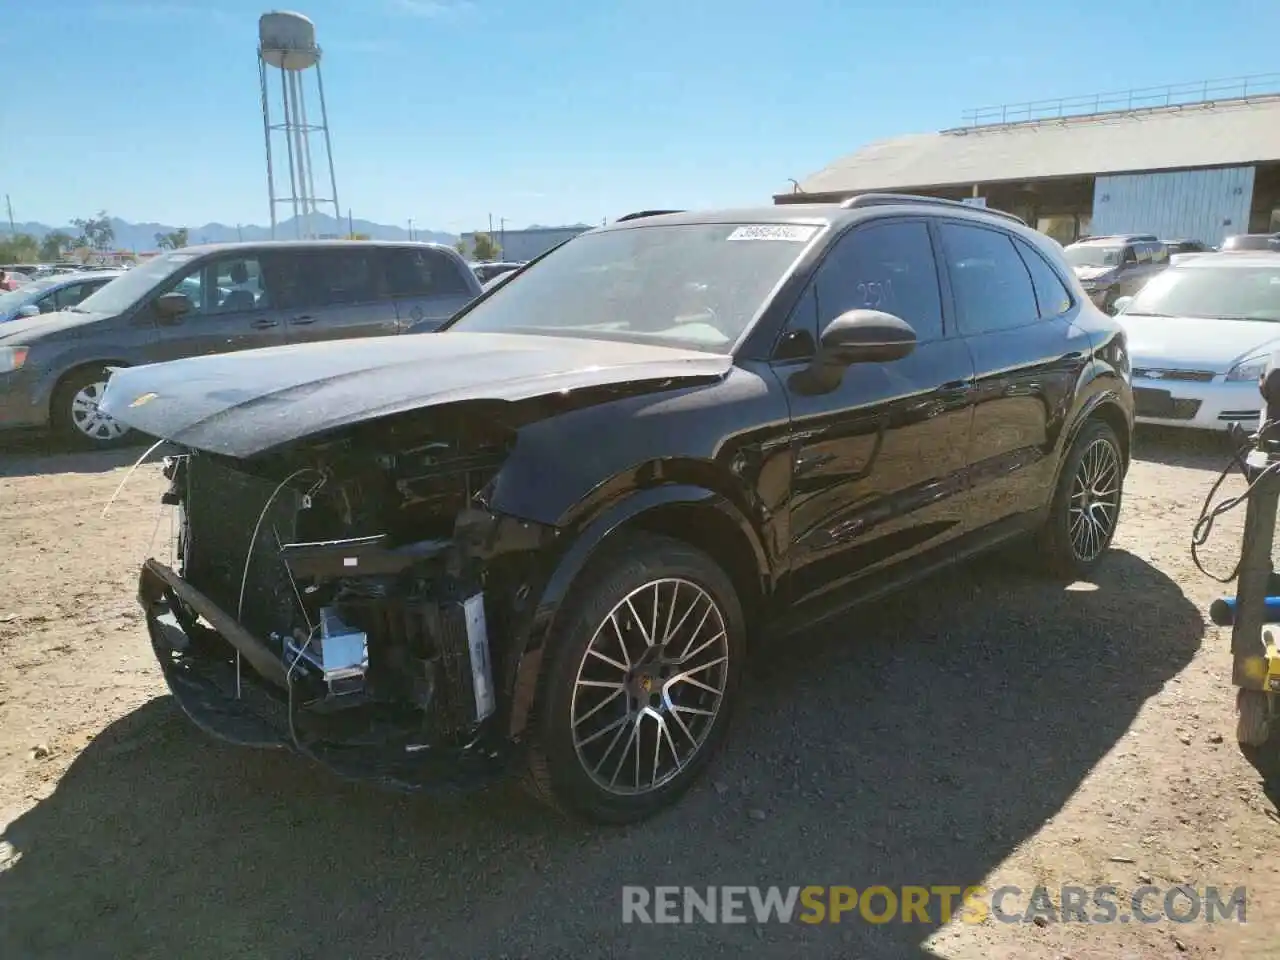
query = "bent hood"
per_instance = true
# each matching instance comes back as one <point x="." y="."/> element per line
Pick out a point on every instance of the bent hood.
<point x="1191" y="343"/>
<point x="241" y="404"/>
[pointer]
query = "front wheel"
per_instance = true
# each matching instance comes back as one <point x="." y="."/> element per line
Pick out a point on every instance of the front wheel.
<point x="642" y="676"/>
<point x="1086" y="505"/>
<point x="76" y="416"/>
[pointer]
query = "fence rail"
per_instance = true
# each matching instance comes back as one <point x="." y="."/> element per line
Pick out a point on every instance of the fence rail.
<point x="1139" y="98"/>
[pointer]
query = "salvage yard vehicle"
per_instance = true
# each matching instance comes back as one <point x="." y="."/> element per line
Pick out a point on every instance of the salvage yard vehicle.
<point x="1117" y="266"/>
<point x="48" y="295"/>
<point x="545" y="538"/>
<point x="214" y="299"/>
<point x="1200" y="336"/>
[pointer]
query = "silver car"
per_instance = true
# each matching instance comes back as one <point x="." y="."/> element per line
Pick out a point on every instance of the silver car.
<point x="51" y="294"/>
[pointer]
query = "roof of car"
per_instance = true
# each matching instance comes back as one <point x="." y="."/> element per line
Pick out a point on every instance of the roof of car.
<point x="1229" y="258"/>
<point x="202" y="248"/>
<point x="82" y="275"/>
<point x="1117" y="238"/>
<point x="819" y="214"/>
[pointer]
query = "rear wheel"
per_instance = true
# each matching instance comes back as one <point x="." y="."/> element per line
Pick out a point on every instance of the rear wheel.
<point x="641" y="679"/>
<point x="1086" y="505"/>
<point x="76" y="416"/>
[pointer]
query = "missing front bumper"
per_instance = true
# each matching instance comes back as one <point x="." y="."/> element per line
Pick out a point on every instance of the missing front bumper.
<point x="251" y="707"/>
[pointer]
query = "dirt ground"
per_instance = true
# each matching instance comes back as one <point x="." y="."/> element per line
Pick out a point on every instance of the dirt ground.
<point x="989" y="728"/>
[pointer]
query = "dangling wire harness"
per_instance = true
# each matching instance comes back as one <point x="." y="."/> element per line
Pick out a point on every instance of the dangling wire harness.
<point x="1204" y="524"/>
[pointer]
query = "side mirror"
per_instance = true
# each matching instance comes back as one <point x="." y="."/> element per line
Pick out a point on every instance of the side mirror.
<point x="170" y="306"/>
<point x="1121" y="305"/>
<point x="866" y="336"/>
<point x="29" y="310"/>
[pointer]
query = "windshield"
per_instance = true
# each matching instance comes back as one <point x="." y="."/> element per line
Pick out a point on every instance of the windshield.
<point x="127" y="289"/>
<point x="23" y="295"/>
<point x="1089" y="255"/>
<point x="697" y="286"/>
<point x="1226" y="293"/>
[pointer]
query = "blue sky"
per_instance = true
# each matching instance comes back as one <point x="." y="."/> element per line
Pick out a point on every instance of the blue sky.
<point x="550" y="111"/>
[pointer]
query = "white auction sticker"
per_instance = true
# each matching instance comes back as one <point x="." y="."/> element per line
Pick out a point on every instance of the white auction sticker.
<point x="791" y="232"/>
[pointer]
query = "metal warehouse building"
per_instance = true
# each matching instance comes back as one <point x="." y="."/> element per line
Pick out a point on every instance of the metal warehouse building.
<point x="1200" y="161"/>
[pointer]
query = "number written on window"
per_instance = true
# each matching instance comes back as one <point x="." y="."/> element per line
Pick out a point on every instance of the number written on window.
<point x="887" y="267"/>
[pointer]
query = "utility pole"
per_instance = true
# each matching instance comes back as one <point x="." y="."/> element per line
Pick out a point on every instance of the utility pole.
<point x="411" y="228"/>
<point x="502" y="236"/>
<point x="8" y="203"/>
<point x="240" y="232"/>
<point x="351" y="230"/>
<point x="491" y="226"/>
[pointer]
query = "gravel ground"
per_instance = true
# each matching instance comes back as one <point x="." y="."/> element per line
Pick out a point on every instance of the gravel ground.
<point x="988" y="728"/>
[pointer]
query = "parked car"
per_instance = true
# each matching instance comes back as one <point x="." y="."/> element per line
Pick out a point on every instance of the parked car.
<point x="1113" y="267"/>
<point x="51" y="294"/>
<point x="487" y="271"/>
<point x="1176" y="247"/>
<point x="215" y="299"/>
<point x="539" y="538"/>
<point x="1199" y="338"/>
<point x="499" y="280"/>
<point x="1251" y="241"/>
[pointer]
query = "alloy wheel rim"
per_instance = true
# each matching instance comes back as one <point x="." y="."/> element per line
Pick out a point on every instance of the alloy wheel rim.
<point x="1095" y="500"/>
<point x="650" y="686"/>
<point x="91" y="421"/>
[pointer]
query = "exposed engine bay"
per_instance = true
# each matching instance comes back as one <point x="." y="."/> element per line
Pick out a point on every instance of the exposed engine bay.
<point x="377" y="582"/>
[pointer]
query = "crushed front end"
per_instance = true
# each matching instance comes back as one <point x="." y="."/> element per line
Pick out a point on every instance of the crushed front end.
<point x="354" y="600"/>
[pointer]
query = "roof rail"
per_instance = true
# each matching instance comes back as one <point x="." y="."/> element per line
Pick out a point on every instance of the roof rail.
<point x="645" y="213"/>
<point x="885" y="199"/>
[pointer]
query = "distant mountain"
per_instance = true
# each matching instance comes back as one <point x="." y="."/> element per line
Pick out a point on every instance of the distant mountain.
<point x="142" y="236"/>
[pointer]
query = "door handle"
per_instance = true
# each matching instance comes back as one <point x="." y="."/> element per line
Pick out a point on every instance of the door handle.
<point x="304" y="319"/>
<point x="265" y="323"/>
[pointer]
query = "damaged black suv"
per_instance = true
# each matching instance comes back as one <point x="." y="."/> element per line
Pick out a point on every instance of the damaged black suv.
<point x="544" y="539"/>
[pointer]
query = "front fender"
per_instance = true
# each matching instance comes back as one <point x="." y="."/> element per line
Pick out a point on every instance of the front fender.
<point x="586" y="541"/>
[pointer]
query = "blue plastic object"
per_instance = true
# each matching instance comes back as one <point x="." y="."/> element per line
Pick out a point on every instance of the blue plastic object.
<point x="1223" y="611"/>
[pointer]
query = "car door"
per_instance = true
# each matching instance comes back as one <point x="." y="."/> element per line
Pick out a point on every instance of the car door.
<point x="333" y="293"/>
<point x="879" y="460"/>
<point x="428" y="286"/>
<point x="231" y="309"/>
<point x="1015" y="313"/>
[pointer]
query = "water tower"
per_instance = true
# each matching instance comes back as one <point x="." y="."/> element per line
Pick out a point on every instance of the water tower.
<point x="287" y="45"/>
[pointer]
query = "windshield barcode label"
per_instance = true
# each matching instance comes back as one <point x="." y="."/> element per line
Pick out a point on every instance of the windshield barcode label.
<point x="790" y="232"/>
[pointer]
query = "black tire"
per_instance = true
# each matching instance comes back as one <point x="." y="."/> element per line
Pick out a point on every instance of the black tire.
<point x="1059" y="543"/>
<point x="70" y="419"/>
<point x="559" y="771"/>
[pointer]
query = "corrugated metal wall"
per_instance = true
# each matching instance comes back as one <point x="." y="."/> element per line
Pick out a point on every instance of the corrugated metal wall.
<point x="1205" y="205"/>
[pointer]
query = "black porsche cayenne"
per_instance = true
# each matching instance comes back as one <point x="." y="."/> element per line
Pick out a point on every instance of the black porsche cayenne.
<point x="542" y="539"/>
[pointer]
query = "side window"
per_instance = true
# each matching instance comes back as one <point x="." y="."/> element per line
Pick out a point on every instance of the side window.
<point x="799" y="337"/>
<point x="989" y="281"/>
<point x="68" y="296"/>
<point x="1159" y="253"/>
<point x="226" y="285"/>
<point x="48" y="303"/>
<point x="422" y="273"/>
<point x="1143" y="251"/>
<point x="885" y="266"/>
<point x="1128" y="257"/>
<point x="337" y="277"/>
<point x="1051" y="293"/>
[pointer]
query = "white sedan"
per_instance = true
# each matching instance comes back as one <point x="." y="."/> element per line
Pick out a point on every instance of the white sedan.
<point x="1200" y="335"/>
